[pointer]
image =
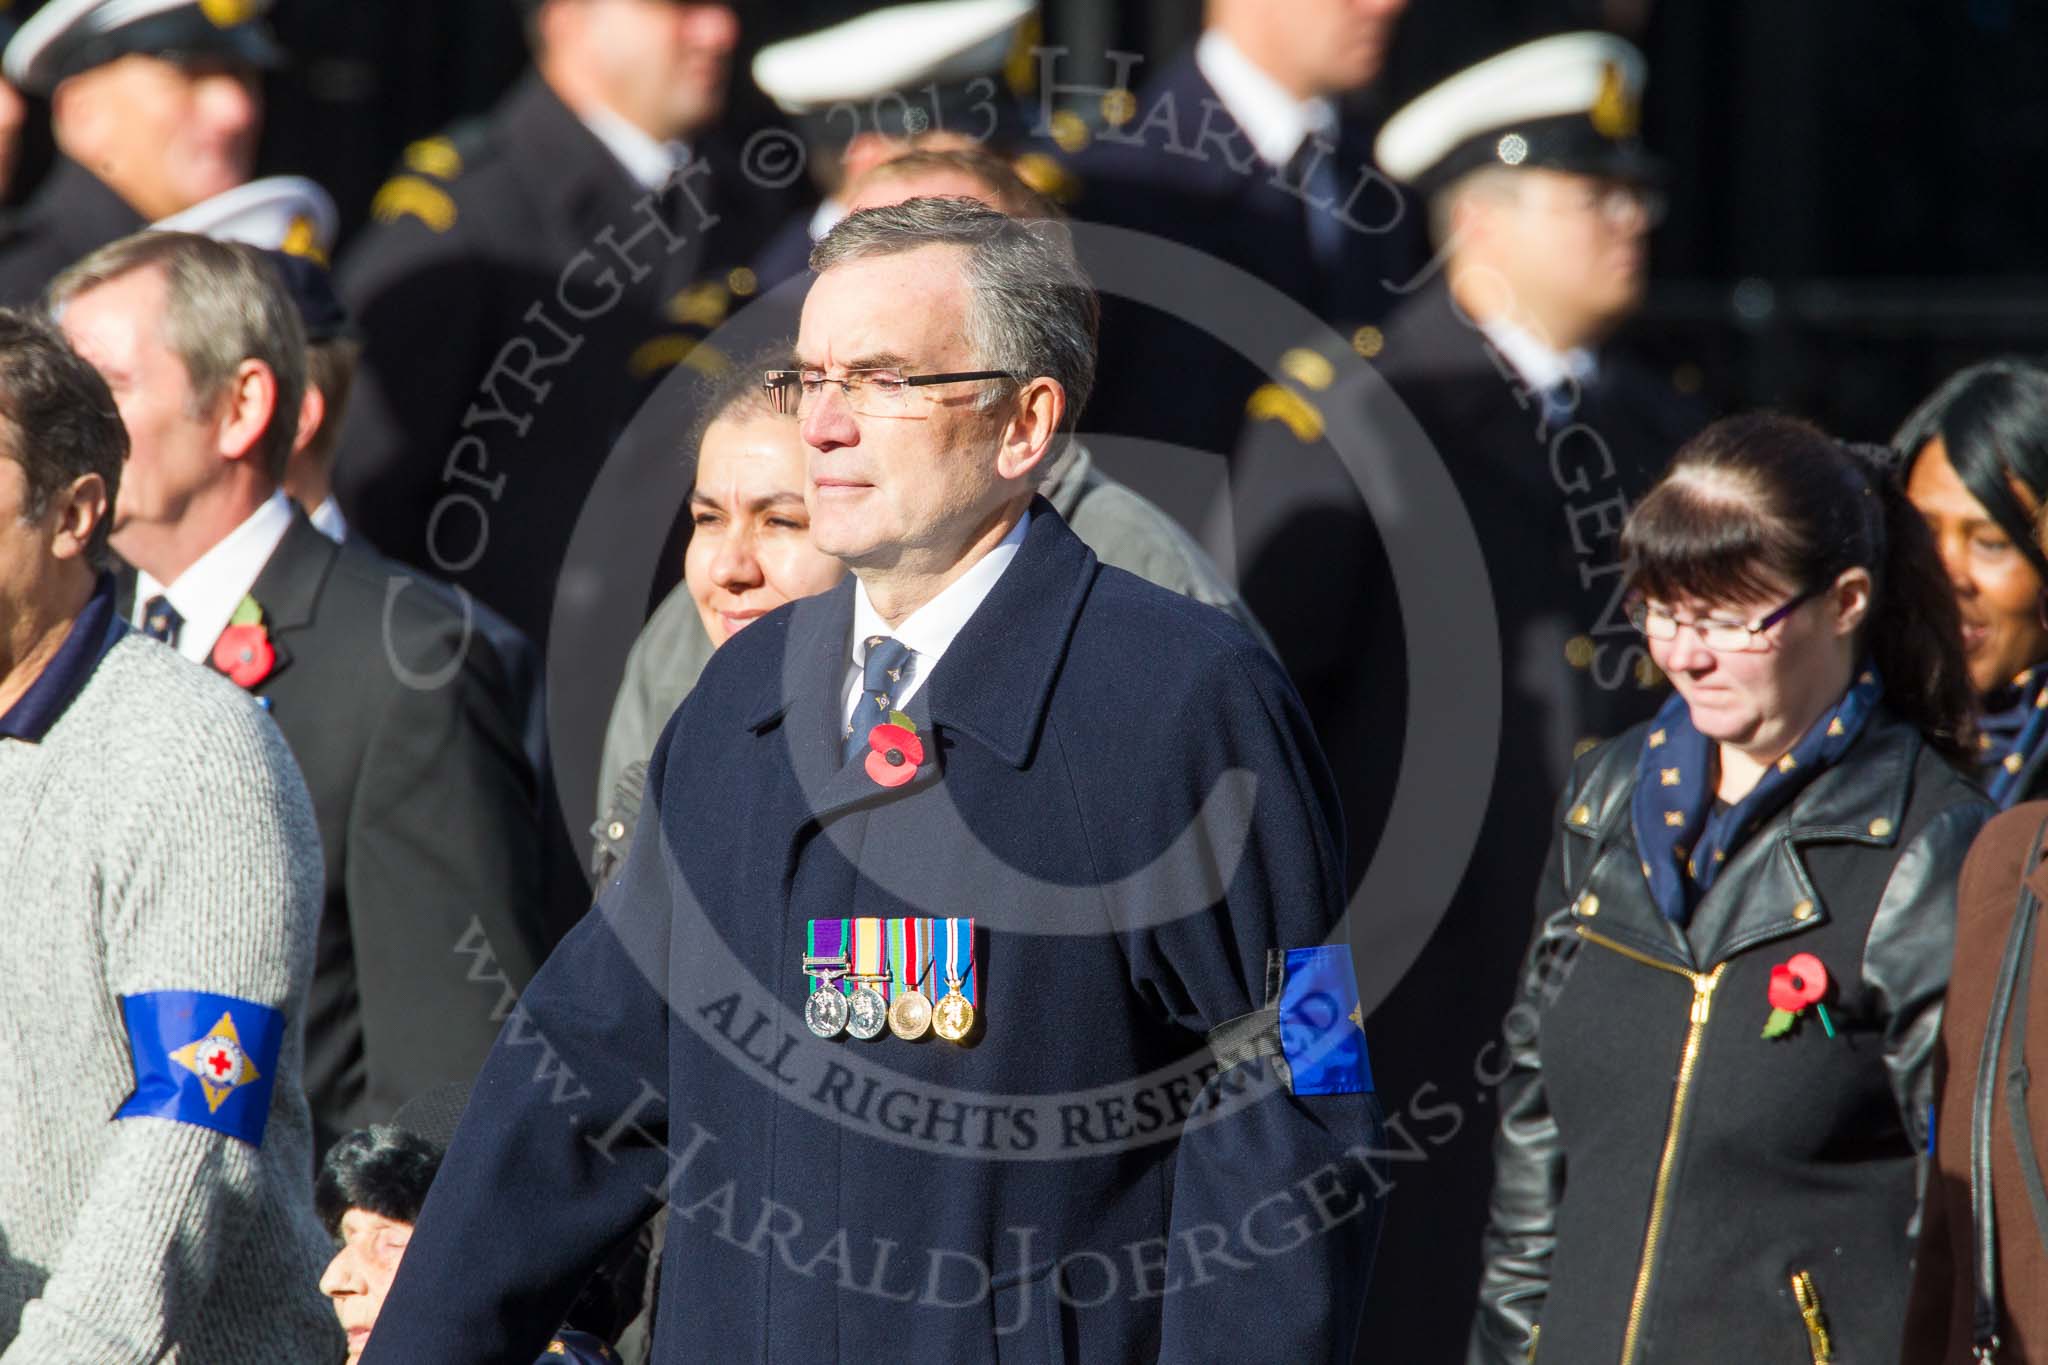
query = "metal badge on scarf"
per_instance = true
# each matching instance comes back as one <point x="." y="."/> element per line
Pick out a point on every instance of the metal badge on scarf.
<point x="910" y="963"/>
<point x="953" y="950"/>
<point x="867" y="1012"/>
<point x="825" y="1012"/>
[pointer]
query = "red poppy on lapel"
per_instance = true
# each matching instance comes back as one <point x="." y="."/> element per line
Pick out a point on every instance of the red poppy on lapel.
<point x="894" y="753"/>
<point x="1800" y="980"/>
<point x="244" y="651"/>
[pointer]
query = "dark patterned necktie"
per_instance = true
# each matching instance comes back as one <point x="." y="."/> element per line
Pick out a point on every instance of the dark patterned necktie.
<point x="887" y="668"/>
<point x="160" y="620"/>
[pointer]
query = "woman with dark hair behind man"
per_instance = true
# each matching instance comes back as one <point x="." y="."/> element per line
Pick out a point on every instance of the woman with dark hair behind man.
<point x="1752" y="894"/>
<point x="1975" y="462"/>
<point x="1979" y="471"/>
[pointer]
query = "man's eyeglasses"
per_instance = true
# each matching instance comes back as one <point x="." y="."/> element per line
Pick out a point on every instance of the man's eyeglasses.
<point x="870" y="393"/>
<point x="1723" y="637"/>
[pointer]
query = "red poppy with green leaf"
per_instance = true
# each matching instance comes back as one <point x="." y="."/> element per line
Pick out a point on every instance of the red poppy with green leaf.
<point x="244" y="651"/>
<point x="1796" y="983"/>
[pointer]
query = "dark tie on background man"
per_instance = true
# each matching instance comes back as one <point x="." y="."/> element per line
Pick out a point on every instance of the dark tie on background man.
<point x="882" y="676"/>
<point x="160" y="620"/>
<point x="1313" y="171"/>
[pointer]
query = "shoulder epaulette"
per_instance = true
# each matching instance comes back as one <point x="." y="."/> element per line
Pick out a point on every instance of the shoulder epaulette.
<point x="414" y="196"/>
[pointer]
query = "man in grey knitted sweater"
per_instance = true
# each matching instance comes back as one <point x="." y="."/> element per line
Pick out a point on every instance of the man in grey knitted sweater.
<point x="159" y="884"/>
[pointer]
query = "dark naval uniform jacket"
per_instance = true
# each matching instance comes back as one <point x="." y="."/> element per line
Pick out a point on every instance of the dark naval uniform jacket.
<point x="1545" y="499"/>
<point x="519" y="296"/>
<point x="401" y="719"/>
<point x="1672" y="1186"/>
<point x="928" y="1200"/>
<point x="73" y="213"/>
<point x="1156" y="173"/>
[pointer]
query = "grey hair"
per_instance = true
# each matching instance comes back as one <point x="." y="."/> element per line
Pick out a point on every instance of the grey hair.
<point x="1032" y="310"/>
<point x="223" y="304"/>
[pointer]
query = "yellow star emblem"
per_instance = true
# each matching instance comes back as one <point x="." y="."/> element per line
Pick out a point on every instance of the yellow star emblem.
<point x="219" y="1062"/>
<point x="1358" y="1017"/>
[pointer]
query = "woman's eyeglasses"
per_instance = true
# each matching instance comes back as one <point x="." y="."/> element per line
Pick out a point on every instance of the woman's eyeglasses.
<point x="1724" y="637"/>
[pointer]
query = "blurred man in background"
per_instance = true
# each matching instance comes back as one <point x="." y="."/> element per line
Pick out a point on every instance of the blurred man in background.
<point x="530" y="281"/>
<point x="397" y="711"/>
<point x="1255" y="148"/>
<point x="1540" y="197"/>
<point x="936" y="76"/>
<point x="154" y="106"/>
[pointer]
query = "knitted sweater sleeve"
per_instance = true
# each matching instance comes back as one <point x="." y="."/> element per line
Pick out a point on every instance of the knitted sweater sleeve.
<point x="212" y="884"/>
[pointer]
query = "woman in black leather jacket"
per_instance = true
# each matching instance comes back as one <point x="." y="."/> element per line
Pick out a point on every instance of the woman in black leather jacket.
<point x="1717" y="1089"/>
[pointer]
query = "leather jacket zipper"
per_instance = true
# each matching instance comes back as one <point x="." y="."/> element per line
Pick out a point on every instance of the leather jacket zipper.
<point x="1703" y="984"/>
<point x="1808" y="1299"/>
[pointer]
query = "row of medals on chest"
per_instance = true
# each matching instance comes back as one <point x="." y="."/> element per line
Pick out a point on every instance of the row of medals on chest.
<point x="863" y="1013"/>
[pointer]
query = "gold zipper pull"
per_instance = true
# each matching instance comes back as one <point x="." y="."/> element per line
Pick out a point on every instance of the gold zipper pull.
<point x="1808" y="1299"/>
<point x="1703" y="995"/>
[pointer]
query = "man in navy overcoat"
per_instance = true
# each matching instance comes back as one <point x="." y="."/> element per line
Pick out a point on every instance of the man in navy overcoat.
<point x="984" y="771"/>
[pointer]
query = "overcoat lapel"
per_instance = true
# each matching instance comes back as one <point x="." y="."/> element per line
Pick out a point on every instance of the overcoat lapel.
<point x="288" y="588"/>
<point x="993" y="685"/>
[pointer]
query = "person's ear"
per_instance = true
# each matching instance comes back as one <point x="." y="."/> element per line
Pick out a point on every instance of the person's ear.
<point x="1034" y="425"/>
<point x="312" y="412"/>
<point x="80" y="511"/>
<point x="1851" y="598"/>
<point x="246" y="407"/>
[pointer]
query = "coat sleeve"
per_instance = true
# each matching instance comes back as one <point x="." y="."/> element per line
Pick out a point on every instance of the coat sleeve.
<point x="222" y="897"/>
<point x="444" y="875"/>
<point x="1937" y="1299"/>
<point x="1907" y="956"/>
<point x="1291" y="1182"/>
<point x="561" y="1152"/>
<point x="1528" y="1153"/>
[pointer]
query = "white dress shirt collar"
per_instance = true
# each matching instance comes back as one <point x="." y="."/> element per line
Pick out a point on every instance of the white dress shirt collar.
<point x="208" y="592"/>
<point x="930" y="630"/>
<point x="328" y="520"/>
<point x="650" y="163"/>
<point x="1274" y="120"/>
<point x="1541" y="368"/>
<point x="828" y="215"/>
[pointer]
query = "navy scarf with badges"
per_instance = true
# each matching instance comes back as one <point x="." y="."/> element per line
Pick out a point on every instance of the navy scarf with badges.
<point x="1684" y="836"/>
<point x="2010" y="732"/>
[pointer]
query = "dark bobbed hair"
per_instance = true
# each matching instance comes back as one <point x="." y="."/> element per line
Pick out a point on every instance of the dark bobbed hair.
<point x="383" y="1169"/>
<point x="60" y="422"/>
<point x="1992" y="420"/>
<point x="1756" y="502"/>
<point x="734" y="390"/>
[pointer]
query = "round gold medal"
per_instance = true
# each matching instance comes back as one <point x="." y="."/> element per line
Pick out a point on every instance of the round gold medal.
<point x="952" y="1017"/>
<point x="910" y="1015"/>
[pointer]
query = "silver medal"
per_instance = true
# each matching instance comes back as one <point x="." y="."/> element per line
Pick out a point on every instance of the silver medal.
<point x="825" y="1012"/>
<point x="867" y="1014"/>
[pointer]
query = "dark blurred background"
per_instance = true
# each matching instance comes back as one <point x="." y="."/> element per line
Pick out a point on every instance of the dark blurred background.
<point x="1852" y="212"/>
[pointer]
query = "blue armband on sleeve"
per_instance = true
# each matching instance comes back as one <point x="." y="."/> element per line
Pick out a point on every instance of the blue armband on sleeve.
<point x="1322" y="1028"/>
<point x="207" y="1060"/>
